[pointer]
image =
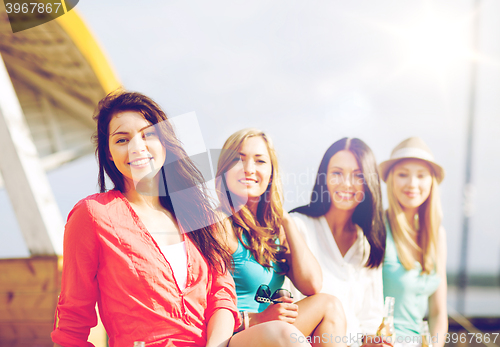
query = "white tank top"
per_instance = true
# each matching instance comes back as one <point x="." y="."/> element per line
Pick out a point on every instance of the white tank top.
<point x="177" y="257"/>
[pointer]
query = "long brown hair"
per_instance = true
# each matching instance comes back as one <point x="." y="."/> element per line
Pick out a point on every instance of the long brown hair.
<point x="192" y="208"/>
<point x="369" y="213"/>
<point x="428" y="224"/>
<point x="261" y="230"/>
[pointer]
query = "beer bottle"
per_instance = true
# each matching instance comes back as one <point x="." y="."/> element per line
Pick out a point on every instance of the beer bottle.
<point x="426" y="334"/>
<point x="386" y="328"/>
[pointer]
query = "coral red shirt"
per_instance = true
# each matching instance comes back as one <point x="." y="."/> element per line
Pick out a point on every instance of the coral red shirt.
<point x="110" y="258"/>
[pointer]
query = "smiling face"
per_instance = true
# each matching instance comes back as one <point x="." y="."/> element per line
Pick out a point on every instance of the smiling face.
<point x="412" y="182"/>
<point x="249" y="177"/>
<point x="344" y="181"/>
<point x="134" y="146"/>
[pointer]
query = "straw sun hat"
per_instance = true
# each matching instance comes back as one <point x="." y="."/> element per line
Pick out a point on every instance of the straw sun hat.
<point x="412" y="148"/>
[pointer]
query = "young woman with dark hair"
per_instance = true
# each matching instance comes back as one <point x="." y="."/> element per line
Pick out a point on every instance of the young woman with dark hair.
<point x="265" y="244"/>
<point x="343" y="226"/>
<point x="146" y="252"/>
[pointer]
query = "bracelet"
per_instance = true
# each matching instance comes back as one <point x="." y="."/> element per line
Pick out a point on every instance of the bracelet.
<point x="242" y="325"/>
<point x="246" y="320"/>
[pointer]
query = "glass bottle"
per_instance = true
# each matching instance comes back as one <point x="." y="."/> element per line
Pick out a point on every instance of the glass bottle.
<point x="139" y="344"/>
<point x="426" y="334"/>
<point x="386" y="328"/>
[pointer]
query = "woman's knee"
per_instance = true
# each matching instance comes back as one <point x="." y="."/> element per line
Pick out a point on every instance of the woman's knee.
<point x="334" y="311"/>
<point x="277" y="333"/>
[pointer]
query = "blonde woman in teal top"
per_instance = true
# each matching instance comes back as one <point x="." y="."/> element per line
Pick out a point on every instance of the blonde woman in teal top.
<point x="414" y="270"/>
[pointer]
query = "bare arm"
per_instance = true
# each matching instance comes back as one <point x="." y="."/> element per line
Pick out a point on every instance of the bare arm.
<point x="305" y="271"/>
<point x="438" y="312"/>
<point x="220" y="328"/>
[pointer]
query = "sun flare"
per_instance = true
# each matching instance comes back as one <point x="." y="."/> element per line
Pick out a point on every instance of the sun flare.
<point x="437" y="43"/>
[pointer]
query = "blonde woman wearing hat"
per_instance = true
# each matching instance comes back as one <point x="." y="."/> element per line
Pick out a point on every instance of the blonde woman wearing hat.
<point x="414" y="270"/>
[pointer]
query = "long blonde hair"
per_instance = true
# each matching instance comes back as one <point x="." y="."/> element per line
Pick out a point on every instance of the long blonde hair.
<point x="261" y="230"/>
<point x="427" y="225"/>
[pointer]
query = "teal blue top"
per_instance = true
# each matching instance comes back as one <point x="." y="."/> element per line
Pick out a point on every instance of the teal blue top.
<point x="411" y="290"/>
<point x="248" y="275"/>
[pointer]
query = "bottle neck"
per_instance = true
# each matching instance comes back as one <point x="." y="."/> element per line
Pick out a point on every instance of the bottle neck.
<point x="389" y="307"/>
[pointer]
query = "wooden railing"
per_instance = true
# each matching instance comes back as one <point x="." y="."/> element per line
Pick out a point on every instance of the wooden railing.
<point x="29" y="290"/>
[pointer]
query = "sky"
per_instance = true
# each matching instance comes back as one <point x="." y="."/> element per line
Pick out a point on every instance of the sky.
<point x="310" y="73"/>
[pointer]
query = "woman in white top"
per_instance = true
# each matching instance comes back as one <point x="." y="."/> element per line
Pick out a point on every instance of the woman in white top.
<point x="343" y="226"/>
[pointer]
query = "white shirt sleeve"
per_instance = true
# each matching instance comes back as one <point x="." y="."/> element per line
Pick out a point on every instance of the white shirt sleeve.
<point x="357" y="287"/>
<point x="373" y="303"/>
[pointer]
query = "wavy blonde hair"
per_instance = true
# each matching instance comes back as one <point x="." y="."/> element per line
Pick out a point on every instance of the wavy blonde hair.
<point x="261" y="230"/>
<point x="427" y="225"/>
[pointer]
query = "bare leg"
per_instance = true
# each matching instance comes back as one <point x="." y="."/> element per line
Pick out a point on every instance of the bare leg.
<point x="269" y="334"/>
<point x="322" y="314"/>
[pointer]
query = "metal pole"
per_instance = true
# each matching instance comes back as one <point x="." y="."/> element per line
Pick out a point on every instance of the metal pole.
<point x="468" y="187"/>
